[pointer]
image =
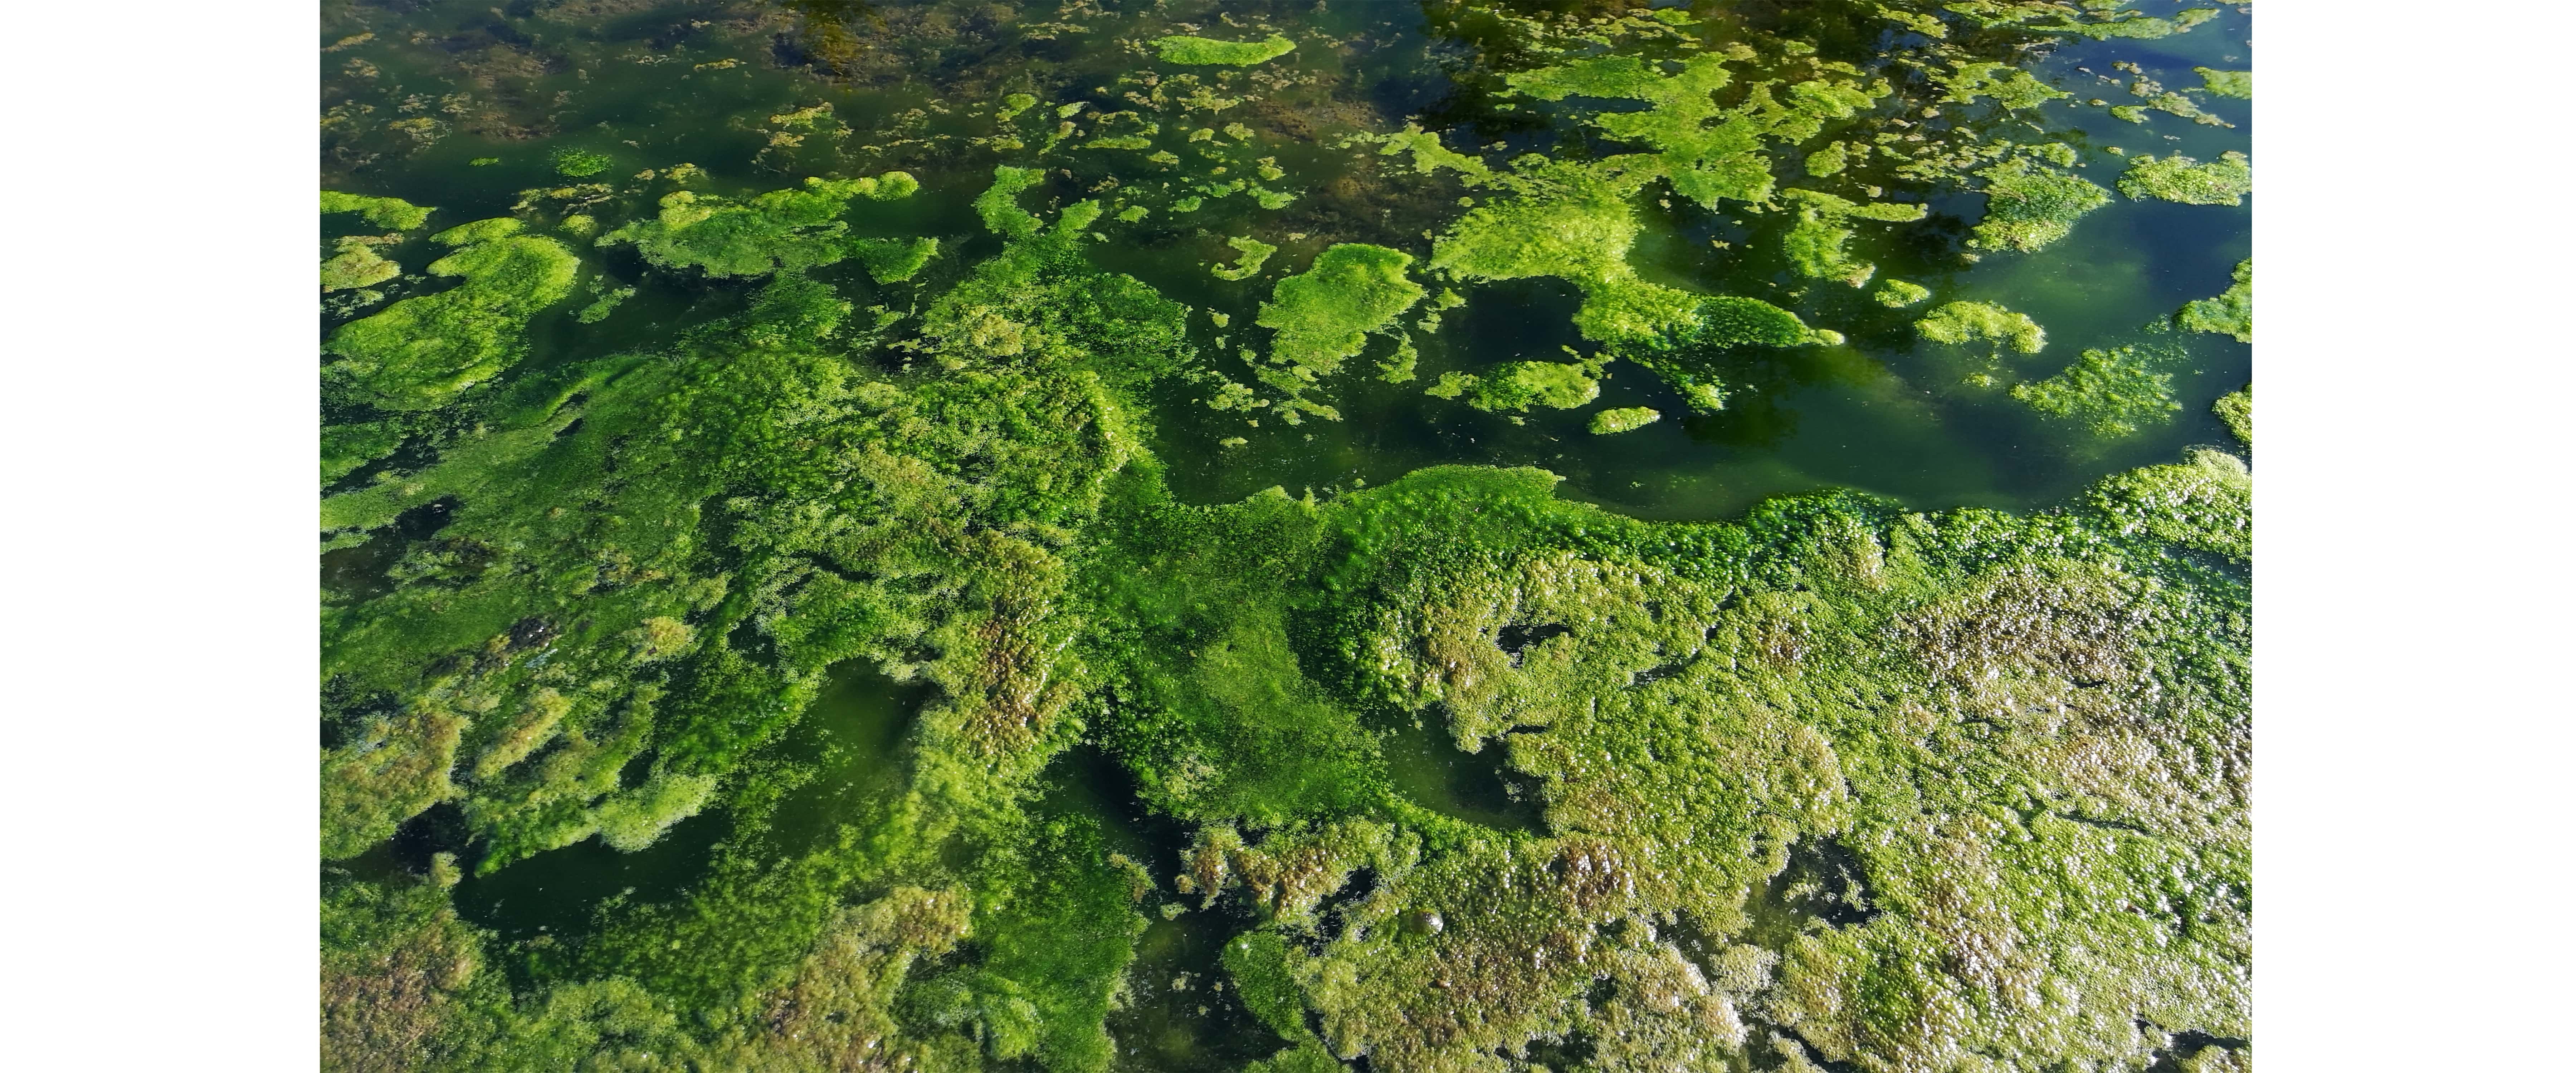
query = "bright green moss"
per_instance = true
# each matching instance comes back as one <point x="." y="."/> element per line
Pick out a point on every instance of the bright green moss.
<point x="347" y="447"/>
<point x="2236" y="410"/>
<point x="1257" y="962"/>
<point x="1251" y="252"/>
<point x="1963" y="323"/>
<point x="1623" y="419"/>
<point x="580" y="163"/>
<point x="607" y="303"/>
<point x="1514" y="387"/>
<point x="1815" y="242"/>
<point x="894" y="260"/>
<point x="1828" y="161"/>
<point x="357" y="264"/>
<point x="2028" y="208"/>
<point x="2231" y="313"/>
<point x="1429" y="155"/>
<point x="391" y="213"/>
<point x="999" y="205"/>
<point x="2111" y="392"/>
<point x="2129" y="113"/>
<point x="1324" y="314"/>
<point x="1706" y="152"/>
<point x="2237" y="84"/>
<point x="779" y="230"/>
<point x="1898" y="294"/>
<point x="1014" y="104"/>
<point x="2224" y="181"/>
<point x="2010" y="86"/>
<point x="1200" y="51"/>
<point x="420" y="352"/>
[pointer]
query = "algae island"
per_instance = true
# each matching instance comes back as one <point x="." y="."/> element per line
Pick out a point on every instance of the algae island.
<point x="1285" y="537"/>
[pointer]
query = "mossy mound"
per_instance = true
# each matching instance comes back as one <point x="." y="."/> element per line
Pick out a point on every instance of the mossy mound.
<point x="2230" y="314"/>
<point x="2224" y="181"/>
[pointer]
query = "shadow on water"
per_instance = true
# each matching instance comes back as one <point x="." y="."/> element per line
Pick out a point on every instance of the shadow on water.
<point x="1477" y="787"/>
<point x="1182" y="1015"/>
<point x="1181" y="1012"/>
<point x="559" y="892"/>
<point x="853" y="735"/>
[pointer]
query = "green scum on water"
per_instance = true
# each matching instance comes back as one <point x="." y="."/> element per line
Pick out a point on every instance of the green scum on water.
<point x="1461" y="536"/>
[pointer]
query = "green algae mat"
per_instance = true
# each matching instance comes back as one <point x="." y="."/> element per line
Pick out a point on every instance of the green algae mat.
<point x="934" y="535"/>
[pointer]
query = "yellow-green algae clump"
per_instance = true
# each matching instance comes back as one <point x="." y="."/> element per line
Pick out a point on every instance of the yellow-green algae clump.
<point x="1201" y="51"/>
<point x="2229" y="314"/>
<point x="419" y="352"/>
<point x="1962" y="323"/>
<point x="2236" y="410"/>
<point x="2224" y="181"/>
<point x="2030" y="207"/>
<point x="2111" y="392"/>
<point x="1323" y="316"/>
<point x="782" y="229"/>
<point x="1623" y="419"/>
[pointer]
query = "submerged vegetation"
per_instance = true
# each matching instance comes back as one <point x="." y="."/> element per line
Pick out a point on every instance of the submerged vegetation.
<point x="847" y="634"/>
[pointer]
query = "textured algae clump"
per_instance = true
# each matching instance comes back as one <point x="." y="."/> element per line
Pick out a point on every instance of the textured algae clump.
<point x="1898" y="294"/>
<point x="2110" y="392"/>
<point x="1201" y="51"/>
<point x="1962" y="323"/>
<point x="1623" y="419"/>
<point x="1250" y="254"/>
<point x="783" y="229"/>
<point x="1519" y="385"/>
<point x="1324" y="314"/>
<point x="2231" y="313"/>
<point x="420" y="352"/>
<point x="2237" y="84"/>
<point x="2224" y="181"/>
<point x="2236" y="410"/>
<point x="387" y="212"/>
<point x="2029" y="207"/>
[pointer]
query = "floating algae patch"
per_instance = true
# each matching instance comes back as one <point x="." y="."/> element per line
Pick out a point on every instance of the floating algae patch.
<point x="419" y="352"/>
<point x="1201" y="51"/>
<point x="1898" y="294"/>
<point x="1963" y="323"/>
<point x="840" y="649"/>
<point x="2236" y="410"/>
<point x="2224" y="181"/>
<point x="1250" y="254"/>
<point x="392" y="213"/>
<point x="2237" y="84"/>
<point x="1323" y="316"/>
<point x="780" y="230"/>
<point x="2029" y="207"/>
<point x="2109" y="392"/>
<point x="1623" y="419"/>
<point x="2230" y="314"/>
<point x="1516" y="386"/>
